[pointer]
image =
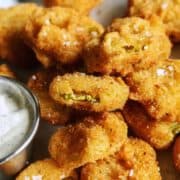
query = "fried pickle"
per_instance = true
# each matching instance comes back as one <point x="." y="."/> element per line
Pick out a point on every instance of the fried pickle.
<point x="6" y="71"/>
<point x="82" y="6"/>
<point x="167" y="10"/>
<point x="94" y="138"/>
<point x="46" y="170"/>
<point x="127" y="44"/>
<point x="160" y="134"/>
<point x="59" y="34"/>
<point x="12" y="47"/>
<point x="50" y="110"/>
<point x="158" y="89"/>
<point x="87" y="92"/>
<point x="135" y="160"/>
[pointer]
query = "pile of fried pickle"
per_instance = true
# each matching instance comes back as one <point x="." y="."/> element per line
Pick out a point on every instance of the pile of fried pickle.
<point x="97" y="82"/>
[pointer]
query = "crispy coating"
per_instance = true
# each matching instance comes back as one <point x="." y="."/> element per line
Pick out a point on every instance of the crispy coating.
<point x="59" y="34"/>
<point x="90" y="93"/>
<point x="135" y="160"/>
<point x="160" y="134"/>
<point x="158" y="89"/>
<point x="12" y="46"/>
<point x="127" y="44"/>
<point x="50" y="110"/>
<point x="46" y="170"/>
<point x="167" y="10"/>
<point x="82" y="6"/>
<point x="6" y="71"/>
<point x="94" y="138"/>
<point x="145" y="8"/>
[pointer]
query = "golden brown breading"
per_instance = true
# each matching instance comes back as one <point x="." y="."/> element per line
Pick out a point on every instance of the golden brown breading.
<point x="50" y="110"/>
<point x="135" y="160"/>
<point x="146" y="8"/>
<point x="59" y="34"/>
<point x="160" y="134"/>
<point x="176" y="153"/>
<point x="87" y="92"/>
<point x="46" y="170"/>
<point x="12" y="23"/>
<point x="94" y="138"/>
<point x="127" y="44"/>
<point x="158" y="89"/>
<point x="6" y="71"/>
<point x="82" y="6"/>
<point x="167" y="10"/>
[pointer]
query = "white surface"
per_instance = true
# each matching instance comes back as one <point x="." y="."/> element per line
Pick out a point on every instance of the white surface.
<point x="109" y="10"/>
<point x="7" y="3"/>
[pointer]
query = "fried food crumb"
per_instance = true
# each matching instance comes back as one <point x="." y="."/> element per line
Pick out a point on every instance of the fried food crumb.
<point x="167" y="10"/>
<point x="158" y="89"/>
<point x="127" y="44"/>
<point x="50" y="110"/>
<point x="160" y="134"/>
<point x="6" y="71"/>
<point x="45" y="170"/>
<point x="135" y="160"/>
<point x="58" y="35"/>
<point x="82" y="6"/>
<point x="94" y="138"/>
<point x="12" y="46"/>
<point x="88" y="92"/>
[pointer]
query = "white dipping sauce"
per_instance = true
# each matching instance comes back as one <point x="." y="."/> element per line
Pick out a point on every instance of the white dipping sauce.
<point x="14" y="119"/>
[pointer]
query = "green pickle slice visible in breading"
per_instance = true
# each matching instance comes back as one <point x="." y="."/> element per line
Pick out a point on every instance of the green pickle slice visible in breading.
<point x="88" y="92"/>
<point x="80" y="97"/>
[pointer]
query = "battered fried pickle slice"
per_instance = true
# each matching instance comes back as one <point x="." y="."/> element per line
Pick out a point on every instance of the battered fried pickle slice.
<point x="50" y="110"/>
<point x="127" y="44"/>
<point x="167" y="10"/>
<point x="94" y="138"/>
<point x="135" y="160"/>
<point x="160" y="134"/>
<point x="158" y="89"/>
<point x="146" y="8"/>
<point x="59" y="34"/>
<point x="46" y="170"/>
<point x="6" y="71"/>
<point x="12" y="46"/>
<point x="87" y="92"/>
<point x="82" y="6"/>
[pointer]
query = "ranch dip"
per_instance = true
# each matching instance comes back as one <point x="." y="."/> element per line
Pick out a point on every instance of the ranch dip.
<point x="14" y="118"/>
